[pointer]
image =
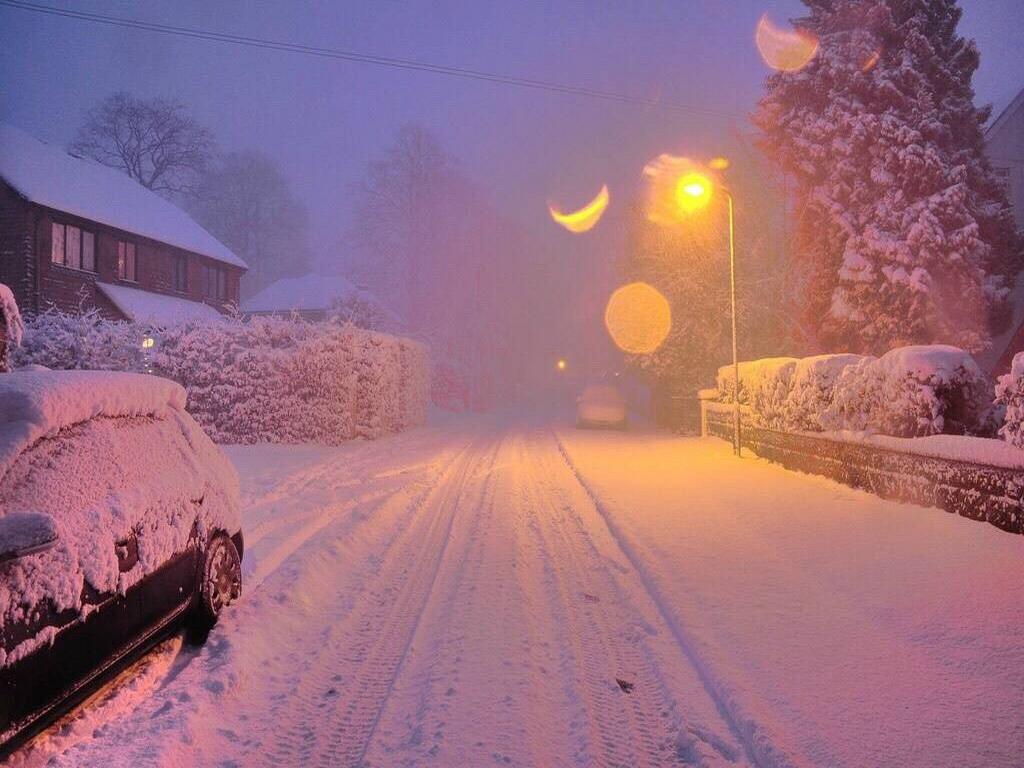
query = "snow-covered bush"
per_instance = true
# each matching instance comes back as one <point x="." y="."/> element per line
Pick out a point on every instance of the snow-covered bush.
<point x="1010" y="395"/>
<point x="908" y="392"/>
<point x="912" y="392"/>
<point x="11" y="326"/>
<point x="764" y="385"/>
<point x="814" y="380"/>
<point x="262" y="379"/>
<point x="281" y="380"/>
<point x="87" y="341"/>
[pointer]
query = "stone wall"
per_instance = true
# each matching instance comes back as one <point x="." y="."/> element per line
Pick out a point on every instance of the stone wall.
<point x="977" y="491"/>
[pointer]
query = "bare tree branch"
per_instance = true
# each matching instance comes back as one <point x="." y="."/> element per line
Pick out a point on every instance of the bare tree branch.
<point x="155" y="141"/>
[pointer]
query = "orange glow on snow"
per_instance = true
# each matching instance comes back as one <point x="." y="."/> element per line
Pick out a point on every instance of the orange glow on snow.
<point x="585" y="218"/>
<point x="783" y="49"/>
<point x="638" y="318"/>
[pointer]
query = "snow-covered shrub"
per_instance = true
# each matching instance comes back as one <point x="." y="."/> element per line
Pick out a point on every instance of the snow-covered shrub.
<point x="11" y="326"/>
<point x="764" y="385"/>
<point x="262" y="379"/>
<point x="271" y="379"/>
<point x="1010" y="395"/>
<point x="87" y="341"/>
<point x="814" y="380"/>
<point x="912" y="392"/>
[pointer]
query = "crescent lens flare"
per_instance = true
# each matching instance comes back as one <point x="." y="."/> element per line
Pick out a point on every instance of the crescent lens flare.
<point x="783" y="49"/>
<point x="638" y="318"/>
<point x="585" y="218"/>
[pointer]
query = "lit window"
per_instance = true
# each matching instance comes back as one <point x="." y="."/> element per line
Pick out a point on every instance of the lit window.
<point x="126" y="261"/>
<point x="57" y="244"/>
<point x="72" y="247"/>
<point x="88" y="251"/>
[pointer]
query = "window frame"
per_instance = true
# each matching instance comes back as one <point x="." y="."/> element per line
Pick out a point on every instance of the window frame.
<point x="215" y="282"/>
<point x="179" y="272"/>
<point x="84" y="236"/>
<point x="124" y="248"/>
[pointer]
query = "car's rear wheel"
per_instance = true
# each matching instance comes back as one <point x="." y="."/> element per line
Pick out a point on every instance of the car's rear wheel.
<point x="220" y="584"/>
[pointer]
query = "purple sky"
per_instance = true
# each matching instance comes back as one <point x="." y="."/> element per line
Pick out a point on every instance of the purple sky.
<point x="324" y="119"/>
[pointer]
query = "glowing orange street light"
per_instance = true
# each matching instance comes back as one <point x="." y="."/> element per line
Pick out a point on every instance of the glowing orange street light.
<point x="693" y="192"/>
<point x="561" y="364"/>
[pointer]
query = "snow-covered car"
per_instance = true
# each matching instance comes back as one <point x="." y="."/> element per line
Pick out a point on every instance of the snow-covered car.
<point x="119" y="522"/>
<point x="601" y="405"/>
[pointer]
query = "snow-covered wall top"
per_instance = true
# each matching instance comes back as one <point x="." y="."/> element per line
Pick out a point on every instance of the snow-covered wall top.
<point x="49" y="176"/>
<point x="38" y="403"/>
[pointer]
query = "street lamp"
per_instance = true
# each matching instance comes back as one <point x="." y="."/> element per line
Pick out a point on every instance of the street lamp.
<point x="693" y="192"/>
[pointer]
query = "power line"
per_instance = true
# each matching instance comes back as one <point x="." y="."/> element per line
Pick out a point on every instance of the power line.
<point x="362" y="58"/>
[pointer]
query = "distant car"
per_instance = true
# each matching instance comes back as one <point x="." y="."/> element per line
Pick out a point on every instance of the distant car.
<point x="119" y="522"/>
<point x="601" y="405"/>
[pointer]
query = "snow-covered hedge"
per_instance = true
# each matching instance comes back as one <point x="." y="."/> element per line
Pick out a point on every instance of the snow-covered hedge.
<point x="1010" y="395"/>
<point x="814" y="380"/>
<point x="908" y="392"/>
<point x="913" y="392"/>
<point x="262" y="379"/>
<point x="85" y="341"/>
<point x="764" y="385"/>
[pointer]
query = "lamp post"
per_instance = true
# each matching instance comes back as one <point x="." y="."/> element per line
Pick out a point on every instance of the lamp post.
<point x="693" y="192"/>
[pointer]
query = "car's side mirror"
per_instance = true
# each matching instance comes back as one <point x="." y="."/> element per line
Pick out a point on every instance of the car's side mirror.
<point x="25" y="533"/>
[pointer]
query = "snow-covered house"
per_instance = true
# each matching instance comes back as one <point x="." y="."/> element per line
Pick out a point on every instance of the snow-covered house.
<point x="1004" y="142"/>
<point x="317" y="297"/>
<point x="77" y="234"/>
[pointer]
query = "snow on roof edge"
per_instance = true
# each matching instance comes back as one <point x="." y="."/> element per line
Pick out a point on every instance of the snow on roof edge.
<point x="28" y="165"/>
<point x="148" y="306"/>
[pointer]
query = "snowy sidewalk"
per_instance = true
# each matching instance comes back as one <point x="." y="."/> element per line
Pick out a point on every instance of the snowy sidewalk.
<point x="841" y="629"/>
<point x="487" y="592"/>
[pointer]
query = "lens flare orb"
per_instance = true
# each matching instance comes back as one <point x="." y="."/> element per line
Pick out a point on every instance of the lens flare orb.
<point x="638" y="318"/>
<point x="585" y="218"/>
<point x="783" y="49"/>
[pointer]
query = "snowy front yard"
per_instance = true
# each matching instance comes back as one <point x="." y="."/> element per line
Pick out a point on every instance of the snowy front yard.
<point x="495" y="592"/>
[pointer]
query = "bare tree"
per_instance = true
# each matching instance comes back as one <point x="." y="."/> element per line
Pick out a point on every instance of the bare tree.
<point x="155" y="141"/>
<point x="399" y="207"/>
<point x="245" y="201"/>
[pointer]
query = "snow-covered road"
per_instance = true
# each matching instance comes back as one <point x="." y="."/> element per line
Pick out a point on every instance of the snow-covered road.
<point x="501" y="592"/>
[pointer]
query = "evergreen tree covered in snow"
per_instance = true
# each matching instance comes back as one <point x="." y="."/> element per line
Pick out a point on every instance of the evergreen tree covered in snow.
<point x="905" y="236"/>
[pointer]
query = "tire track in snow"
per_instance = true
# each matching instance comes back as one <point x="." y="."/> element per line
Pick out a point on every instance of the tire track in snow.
<point x="759" y="750"/>
<point x="650" y="724"/>
<point x="485" y="681"/>
<point x="366" y="650"/>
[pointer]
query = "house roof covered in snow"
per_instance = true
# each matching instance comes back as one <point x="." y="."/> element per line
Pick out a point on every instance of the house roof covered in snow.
<point x="1003" y="110"/>
<point x="47" y="175"/>
<point x="155" y="308"/>
<point x="307" y="293"/>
